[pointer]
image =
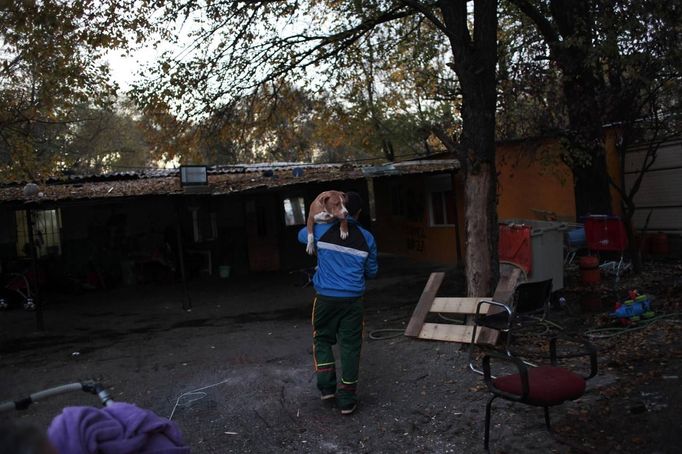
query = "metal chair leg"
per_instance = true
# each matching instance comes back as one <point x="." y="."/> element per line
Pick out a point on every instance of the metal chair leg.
<point x="487" y="422"/>
<point x="472" y="345"/>
<point x="549" y="427"/>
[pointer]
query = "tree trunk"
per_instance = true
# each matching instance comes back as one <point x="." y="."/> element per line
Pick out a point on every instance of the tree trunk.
<point x="576" y="57"/>
<point x="480" y="214"/>
<point x="587" y="153"/>
<point x="592" y="195"/>
<point x="633" y="248"/>
<point x="475" y="58"/>
<point x="480" y="182"/>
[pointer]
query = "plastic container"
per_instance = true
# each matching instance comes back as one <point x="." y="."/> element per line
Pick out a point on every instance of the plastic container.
<point x="547" y="249"/>
<point x="224" y="271"/>
<point x="515" y="245"/>
<point x="605" y="233"/>
<point x="576" y="238"/>
<point x="590" y="273"/>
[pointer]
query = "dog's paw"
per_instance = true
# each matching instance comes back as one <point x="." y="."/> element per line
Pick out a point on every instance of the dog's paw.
<point x="344" y="234"/>
<point x="323" y="217"/>
<point x="310" y="246"/>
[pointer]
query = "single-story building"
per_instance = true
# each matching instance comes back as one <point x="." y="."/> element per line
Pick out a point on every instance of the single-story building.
<point x="106" y="230"/>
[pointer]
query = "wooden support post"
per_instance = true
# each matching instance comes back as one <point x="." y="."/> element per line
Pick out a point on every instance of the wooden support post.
<point x="503" y="294"/>
<point x="187" y="301"/>
<point x="34" y="287"/>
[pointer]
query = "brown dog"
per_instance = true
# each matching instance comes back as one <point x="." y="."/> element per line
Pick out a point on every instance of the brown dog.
<point x="327" y="206"/>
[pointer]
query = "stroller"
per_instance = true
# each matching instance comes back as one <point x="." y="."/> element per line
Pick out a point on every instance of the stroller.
<point x="118" y="427"/>
<point x="16" y="284"/>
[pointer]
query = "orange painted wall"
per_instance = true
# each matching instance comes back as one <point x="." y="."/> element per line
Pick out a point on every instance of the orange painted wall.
<point x="532" y="179"/>
<point x="532" y="182"/>
<point x="411" y="234"/>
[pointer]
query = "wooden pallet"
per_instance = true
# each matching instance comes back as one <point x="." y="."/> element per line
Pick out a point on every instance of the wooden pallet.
<point x="428" y="302"/>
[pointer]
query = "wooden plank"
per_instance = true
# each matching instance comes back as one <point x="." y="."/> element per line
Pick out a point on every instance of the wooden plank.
<point x="456" y="305"/>
<point x="452" y="333"/>
<point x="506" y="285"/>
<point x="503" y="294"/>
<point x="509" y="278"/>
<point x="444" y="332"/>
<point x="414" y="327"/>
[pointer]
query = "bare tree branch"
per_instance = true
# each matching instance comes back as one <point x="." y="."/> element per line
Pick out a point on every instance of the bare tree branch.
<point x="544" y="25"/>
<point x="427" y="11"/>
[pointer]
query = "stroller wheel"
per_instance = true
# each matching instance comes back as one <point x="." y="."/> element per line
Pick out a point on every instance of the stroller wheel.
<point x="29" y="305"/>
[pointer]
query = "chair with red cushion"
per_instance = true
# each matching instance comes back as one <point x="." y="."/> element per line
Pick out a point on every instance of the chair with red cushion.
<point x="529" y="304"/>
<point x="540" y="386"/>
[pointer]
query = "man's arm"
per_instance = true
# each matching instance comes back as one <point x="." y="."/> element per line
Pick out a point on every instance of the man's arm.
<point x="371" y="264"/>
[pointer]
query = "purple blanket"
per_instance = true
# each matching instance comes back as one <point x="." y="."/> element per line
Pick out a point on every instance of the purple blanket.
<point x="117" y="429"/>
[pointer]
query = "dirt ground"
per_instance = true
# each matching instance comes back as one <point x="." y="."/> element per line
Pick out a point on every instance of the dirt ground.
<point x="251" y="340"/>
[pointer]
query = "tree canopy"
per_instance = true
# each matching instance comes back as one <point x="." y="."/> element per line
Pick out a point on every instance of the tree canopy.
<point x="606" y="57"/>
<point x="52" y="74"/>
<point x="331" y="80"/>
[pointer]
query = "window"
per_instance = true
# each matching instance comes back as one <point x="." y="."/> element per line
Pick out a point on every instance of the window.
<point x="47" y="225"/>
<point x="441" y="200"/>
<point x="294" y="211"/>
<point x="204" y="225"/>
<point x="442" y="209"/>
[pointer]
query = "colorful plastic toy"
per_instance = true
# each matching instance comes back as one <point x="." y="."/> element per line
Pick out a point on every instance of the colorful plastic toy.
<point x="633" y="309"/>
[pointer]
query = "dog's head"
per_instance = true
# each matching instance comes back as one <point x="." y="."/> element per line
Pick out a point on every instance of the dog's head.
<point x="334" y="202"/>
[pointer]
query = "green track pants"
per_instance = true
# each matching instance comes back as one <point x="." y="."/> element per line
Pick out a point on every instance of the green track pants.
<point x="337" y="319"/>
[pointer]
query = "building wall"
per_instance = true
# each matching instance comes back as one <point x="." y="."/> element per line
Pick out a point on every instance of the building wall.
<point x="658" y="201"/>
<point x="108" y="237"/>
<point x="533" y="182"/>
<point x="403" y="220"/>
<point x="7" y="234"/>
<point x="660" y="192"/>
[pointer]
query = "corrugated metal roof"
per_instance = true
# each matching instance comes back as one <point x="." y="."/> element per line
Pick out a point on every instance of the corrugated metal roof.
<point x="222" y="179"/>
<point x="659" y="193"/>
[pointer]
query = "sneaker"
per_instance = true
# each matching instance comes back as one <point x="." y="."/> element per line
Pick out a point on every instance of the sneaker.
<point x="349" y="410"/>
<point x="328" y="394"/>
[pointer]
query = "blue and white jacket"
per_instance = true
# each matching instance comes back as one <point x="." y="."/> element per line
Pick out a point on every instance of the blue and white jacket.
<point x="342" y="265"/>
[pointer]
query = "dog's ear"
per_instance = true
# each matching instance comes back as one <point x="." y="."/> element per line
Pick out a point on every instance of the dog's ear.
<point x="324" y="199"/>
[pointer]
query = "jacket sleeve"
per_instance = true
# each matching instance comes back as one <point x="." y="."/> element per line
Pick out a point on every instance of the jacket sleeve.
<point x="303" y="235"/>
<point x="371" y="264"/>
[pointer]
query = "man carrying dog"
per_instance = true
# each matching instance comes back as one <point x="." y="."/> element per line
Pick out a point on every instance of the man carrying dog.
<point x="342" y="266"/>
